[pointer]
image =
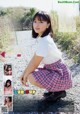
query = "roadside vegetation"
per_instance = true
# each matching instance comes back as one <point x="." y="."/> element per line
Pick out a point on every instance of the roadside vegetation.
<point x="19" y="19"/>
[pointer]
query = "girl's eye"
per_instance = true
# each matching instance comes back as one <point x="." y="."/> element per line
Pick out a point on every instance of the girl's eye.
<point x="34" y="21"/>
<point x="38" y="22"/>
<point x="41" y="21"/>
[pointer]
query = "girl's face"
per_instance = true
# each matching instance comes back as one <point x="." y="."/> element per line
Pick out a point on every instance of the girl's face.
<point x="7" y="99"/>
<point x="8" y="84"/>
<point x="9" y="69"/>
<point x="40" y="26"/>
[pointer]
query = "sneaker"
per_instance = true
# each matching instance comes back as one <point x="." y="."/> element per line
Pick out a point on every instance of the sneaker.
<point x="55" y="96"/>
<point x="47" y="94"/>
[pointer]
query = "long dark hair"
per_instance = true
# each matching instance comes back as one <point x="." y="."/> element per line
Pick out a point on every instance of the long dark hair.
<point x="10" y="100"/>
<point x="43" y="16"/>
<point x="8" y="81"/>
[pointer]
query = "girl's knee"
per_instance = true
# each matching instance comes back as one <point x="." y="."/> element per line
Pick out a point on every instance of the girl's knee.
<point x="31" y="79"/>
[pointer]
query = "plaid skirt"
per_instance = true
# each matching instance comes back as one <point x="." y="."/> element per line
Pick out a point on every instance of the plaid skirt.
<point x="54" y="77"/>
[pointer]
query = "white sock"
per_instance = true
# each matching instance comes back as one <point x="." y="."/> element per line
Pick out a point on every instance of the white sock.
<point x="46" y="91"/>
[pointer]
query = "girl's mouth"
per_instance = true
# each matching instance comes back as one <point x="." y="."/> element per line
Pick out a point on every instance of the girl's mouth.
<point x="37" y="28"/>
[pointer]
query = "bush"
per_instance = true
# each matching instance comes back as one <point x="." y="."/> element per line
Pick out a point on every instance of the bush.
<point x="70" y="41"/>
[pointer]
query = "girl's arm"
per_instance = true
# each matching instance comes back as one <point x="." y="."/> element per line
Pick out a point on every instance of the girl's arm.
<point x="33" y="64"/>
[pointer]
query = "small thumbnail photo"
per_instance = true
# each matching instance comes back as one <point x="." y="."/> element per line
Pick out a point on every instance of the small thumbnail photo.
<point x="8" y="102"/>
<point x="8" y="87"/>
<point x="7" y="69"/>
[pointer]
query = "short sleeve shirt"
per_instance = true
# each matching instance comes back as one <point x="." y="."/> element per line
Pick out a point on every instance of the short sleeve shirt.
<point x="47" y="48"/>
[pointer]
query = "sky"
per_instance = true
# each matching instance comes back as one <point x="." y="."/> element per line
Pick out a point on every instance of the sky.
<point x="46" y="5"/>
<point x="40" y="4"/>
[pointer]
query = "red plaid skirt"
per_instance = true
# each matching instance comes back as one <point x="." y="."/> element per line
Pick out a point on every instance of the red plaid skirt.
<point x="54" y="77"/>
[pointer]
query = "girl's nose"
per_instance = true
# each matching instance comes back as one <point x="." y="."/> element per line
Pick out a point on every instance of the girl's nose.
<point x="37" y="24"/>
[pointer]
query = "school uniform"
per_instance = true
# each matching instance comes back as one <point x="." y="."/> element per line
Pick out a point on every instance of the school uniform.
<point x="54" y="75"/>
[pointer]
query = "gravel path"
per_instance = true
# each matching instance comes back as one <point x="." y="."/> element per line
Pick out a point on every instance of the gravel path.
<point x="68" y="105"/>
<point x="31" y="103"/>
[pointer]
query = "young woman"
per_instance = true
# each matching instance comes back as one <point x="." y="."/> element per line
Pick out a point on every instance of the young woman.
<point x="8" y="102"/>
<point x="8" y="87"/>
<point x="7" y="69"/>
<point x="55" y="76"/>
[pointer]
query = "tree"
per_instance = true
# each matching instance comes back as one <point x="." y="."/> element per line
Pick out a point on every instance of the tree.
<point x="27" y="19"/>
<point x="54" y="21"/>
<point x="3" y="12"/>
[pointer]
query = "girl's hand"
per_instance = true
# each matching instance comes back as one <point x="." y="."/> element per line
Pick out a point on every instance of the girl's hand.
<point x="23" y="79"/>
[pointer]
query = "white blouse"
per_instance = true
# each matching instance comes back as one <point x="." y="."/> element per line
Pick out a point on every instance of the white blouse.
<point x="47" y="48"/>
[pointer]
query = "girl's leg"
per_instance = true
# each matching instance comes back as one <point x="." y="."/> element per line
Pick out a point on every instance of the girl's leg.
<point x="33" y="81"/>
<point x="54" y="96"/>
